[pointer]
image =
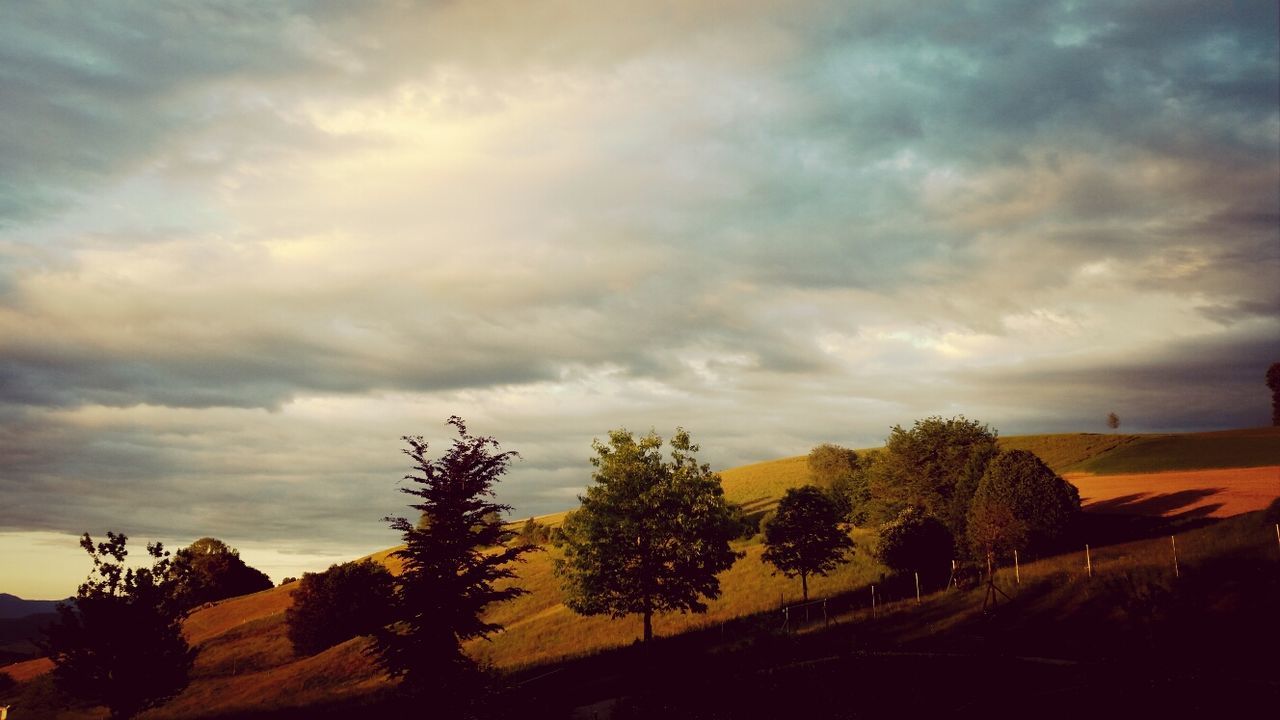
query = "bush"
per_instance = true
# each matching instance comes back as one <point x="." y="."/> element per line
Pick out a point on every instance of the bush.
<point x="915" y="541"/>
<point x="340" y="603"/>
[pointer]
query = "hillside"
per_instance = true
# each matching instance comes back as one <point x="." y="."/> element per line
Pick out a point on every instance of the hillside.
<point x="246" y="662"/>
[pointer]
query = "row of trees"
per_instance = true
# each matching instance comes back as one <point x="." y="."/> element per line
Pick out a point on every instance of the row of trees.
<point x="942" y="489"/>
<point x="651" y="536"/>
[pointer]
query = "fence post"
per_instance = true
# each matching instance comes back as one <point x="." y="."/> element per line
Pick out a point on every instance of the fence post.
<point x="1277" y="536"/>
<point x="873" y="601"/>
<point x="917" y="587"/>
<point x="1088" y="560"/>
<point x="1173" y="541"/>
<point x="1017" y="573"/>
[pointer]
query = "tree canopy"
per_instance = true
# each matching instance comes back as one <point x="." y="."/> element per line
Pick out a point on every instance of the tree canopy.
<point x="447" y="579"/>
<point x="804" y="537"/>
<point x="119" y="642"/>
<point x="651" y="535"/>
<point x="343" y="602"/>
<point x="936" y="466"/>
<point x="208" y="570"/>
<point x="914" y="541"/>
<point x="843" y="475"/>
<point x="1020" y="503"/>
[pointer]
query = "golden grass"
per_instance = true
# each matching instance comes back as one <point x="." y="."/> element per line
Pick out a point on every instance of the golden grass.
<point x="1211" y="493"/>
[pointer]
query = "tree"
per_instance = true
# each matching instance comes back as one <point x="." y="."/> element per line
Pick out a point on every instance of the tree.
<point x="1020" y="503"/>
<point x="804" y="536"/>
<point x="534" y="533"/>
<point x="651" y="534"/>
<point x="843" y="475"/>
<point x="936" y="466"/>
<point x="1113" y="421"/>
<point x="343" y="602"/>
<point x="447" y="579"/>
<point x="1273" y="382"/>
<point x="208" y="570"/>
<point x="119" y="642"/>
<point x="914" y="541"/>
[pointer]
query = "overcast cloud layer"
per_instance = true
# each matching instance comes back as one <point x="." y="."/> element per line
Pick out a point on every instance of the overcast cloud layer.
<point x="244" y="249"/>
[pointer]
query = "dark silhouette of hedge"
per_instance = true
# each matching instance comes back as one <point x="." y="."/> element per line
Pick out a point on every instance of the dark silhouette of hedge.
<point x="338" y="604"/>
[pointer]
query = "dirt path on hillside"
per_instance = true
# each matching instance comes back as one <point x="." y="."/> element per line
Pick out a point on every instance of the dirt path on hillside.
<point x="1204" y="493"/>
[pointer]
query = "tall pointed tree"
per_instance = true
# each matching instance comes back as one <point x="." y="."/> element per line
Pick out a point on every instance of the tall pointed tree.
<point x="805" y="538"/>
<point x="651" y="535"/>
<point x="448" y="577"/>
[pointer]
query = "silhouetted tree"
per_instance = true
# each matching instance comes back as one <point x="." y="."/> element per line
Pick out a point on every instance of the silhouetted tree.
<point x="936" y="466"/>
<point x="208" y="570"/>
<point x="651" y="534"/>
<point x="1273" y="382"/>
<point x="914" y="541"/>
<point x="447" y="579"/>
<point x="804" y="536"/>
<point x="343" y="602"/>
<point x="119" y="642"/>
<point x="1020" y="504"/>
<point x="1113" y="421"/>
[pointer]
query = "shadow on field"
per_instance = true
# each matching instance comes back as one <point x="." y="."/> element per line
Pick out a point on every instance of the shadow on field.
<point x="1113" y="526"/>
<point x="1162" y="504"/>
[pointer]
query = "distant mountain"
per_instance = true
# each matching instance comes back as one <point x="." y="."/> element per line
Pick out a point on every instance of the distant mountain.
<point x="12" y="606"/>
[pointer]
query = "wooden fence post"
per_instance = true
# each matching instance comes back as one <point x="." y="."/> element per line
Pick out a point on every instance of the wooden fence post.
<point x="1017" y="573"/>
<point x="873" y="601"/>
<point x="917" y="587"/>
<point x="1088" y="560"/>
<point x="1173" y="541"/>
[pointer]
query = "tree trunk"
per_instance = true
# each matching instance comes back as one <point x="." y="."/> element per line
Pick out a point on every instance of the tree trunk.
<point x="804" y="585"/>
<point x="648" y="618"/>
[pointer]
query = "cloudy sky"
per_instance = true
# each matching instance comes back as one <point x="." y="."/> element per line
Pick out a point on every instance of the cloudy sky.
<point x="245" y="247"/>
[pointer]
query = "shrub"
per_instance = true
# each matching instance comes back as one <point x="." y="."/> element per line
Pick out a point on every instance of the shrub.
<point x="340" y="603"/>
<point x="914" y="541"/>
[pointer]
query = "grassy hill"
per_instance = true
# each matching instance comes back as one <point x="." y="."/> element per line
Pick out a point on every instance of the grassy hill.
<point x="247" y="666"/>
<point x="1095" y="453"/>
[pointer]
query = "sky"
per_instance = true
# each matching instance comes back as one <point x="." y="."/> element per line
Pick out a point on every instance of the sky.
<point x="246" y="247"/>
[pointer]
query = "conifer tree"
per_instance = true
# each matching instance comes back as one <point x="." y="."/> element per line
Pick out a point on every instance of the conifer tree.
<point x="447" y="579"/>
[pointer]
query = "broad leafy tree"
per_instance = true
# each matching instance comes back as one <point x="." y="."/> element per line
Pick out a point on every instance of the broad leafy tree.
<point x="343" y="602"/>
<point x="651" y="535"/>
<point x="209" y="570"/>
<point x="805" y="537"/>
<point x="936" y="466"/>
<point x="915" y="542"/>
<point x="1021" y="504"/>
<point x="1113" y="421"/>
<point x="844" y="476"/>
<point x="448" y="579"/>
<point x="119" y="642"/>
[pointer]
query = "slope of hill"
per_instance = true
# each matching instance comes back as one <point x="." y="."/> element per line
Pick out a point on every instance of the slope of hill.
<point x="12" y="606"/>
<point x="247" y="665"/>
